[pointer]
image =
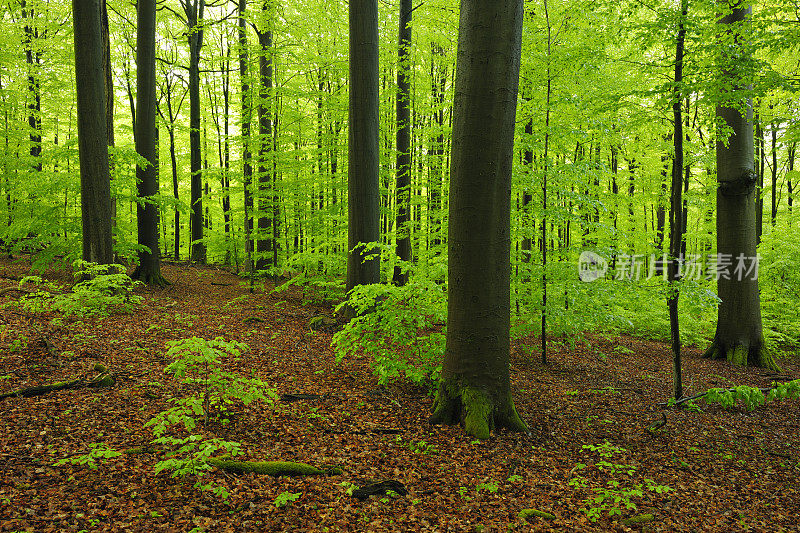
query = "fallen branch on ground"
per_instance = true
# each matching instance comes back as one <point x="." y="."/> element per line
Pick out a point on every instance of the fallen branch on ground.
<point x="273" y="468"/>
<point x="102" y="380"/>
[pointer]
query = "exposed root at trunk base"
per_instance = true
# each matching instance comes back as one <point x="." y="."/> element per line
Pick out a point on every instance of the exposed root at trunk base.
<point x="273" y="468"/>
<point x="150" y="278"/>
<point x="742" y="355"/>
<point x="476" y="410"/>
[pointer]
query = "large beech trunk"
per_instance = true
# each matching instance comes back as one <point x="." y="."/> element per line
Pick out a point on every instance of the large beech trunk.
<point x="149" y="269"/>
<point x="92" y="136"/>
<point x="475" y="384"/>
<point x="739" y="337"/>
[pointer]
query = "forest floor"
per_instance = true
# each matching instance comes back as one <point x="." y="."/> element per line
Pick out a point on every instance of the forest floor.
<point x="589" y="411"/>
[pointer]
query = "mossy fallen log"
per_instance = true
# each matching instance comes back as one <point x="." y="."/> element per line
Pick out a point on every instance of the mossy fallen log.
<point x="39" y="390"/>
<point x="272" y="468"/>
<point x="527" y="513"/>
<point x="638" y="519"/>
<point x="102" y="380"/>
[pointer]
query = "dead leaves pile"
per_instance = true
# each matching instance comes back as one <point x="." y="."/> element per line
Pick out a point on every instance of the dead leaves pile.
<point x="728" y="470"/>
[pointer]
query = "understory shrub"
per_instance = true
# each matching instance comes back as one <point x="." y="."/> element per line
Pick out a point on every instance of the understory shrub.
<point x="100" y="290"/>
<point x="401" y="330"/>
<point x="199" y="364"/>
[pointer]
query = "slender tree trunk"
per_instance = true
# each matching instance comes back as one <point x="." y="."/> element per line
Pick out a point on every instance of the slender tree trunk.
<point x="92" y="138"/>
<point x="194" y="17"/>
<point x="363" y="145"/>
<point x="404" y="163"/>
<point x="226" y="160"/>
<point x="527" y="198"/>
<point x="33" y="59"/>
<point x="247" y="169"/>
<point x="774" y="138"/>
<point x="264" y="241"/>
<point x="475" y="383"/>
<point x="149" y="269"/>
<point x="544" y="183"/>
<point x="789" y="174"/>
<point x="109" y="83"/>
<point x="438" y="86"/>
<point x="739" y="337"/>
<point x="760" y="171"/>
<point x="676" y="225"/>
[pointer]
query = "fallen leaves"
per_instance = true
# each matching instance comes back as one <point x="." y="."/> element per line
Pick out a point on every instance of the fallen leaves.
<point x="729" y="470"/>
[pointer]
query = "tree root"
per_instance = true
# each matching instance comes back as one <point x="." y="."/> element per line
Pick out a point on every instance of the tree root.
<point x="8" y="290"/>
<point x="102" y="380"/>
<point x="379" y="489"/>
<point x="742" y="355"/>
<point x="149" y="278"/>
<point x="273" y="468"/>
<point x="479" y="413"/>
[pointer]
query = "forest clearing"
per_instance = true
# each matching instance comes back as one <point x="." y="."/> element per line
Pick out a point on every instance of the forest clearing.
<point x="726" y="469"/>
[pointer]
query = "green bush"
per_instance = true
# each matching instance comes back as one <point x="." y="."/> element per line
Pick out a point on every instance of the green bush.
<point x="198" y="363"/>
<point x="401" y="329"/>
<point x="100" y="290"/>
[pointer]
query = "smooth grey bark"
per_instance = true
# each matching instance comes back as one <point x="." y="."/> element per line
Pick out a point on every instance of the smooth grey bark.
<point x="145" y="135"/>
<point x="363" y="214"/>
<point x="403" y="176"/>
<point x="475" y="385"/>
<point x="92" y="137"/>
<point x="194" y="20"/>
<point x="739" y="337"/>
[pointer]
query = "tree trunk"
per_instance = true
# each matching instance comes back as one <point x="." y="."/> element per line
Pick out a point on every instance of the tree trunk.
<point x="774" y="138"/>
<point x="676" y="226"/>
<point x="527" y="198"/>
<point x="149" y="269"/>
<point x="475" y="384"/>
<point x="739" y="337"/>
<point x="264" y="240"/>
<point x="32" y="58"/>
<point x="92" y="137"/>
<point x="363" y="145"/>
<point x="247" y="168"/>
<point x="760" y="171"/>
<point x="789" y="175"/>
<point x="402" y="226"/>
<point x="194" y="17"/>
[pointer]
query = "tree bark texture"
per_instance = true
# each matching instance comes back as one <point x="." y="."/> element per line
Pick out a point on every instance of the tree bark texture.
<point x="403" y="183"/>
<point x="92" y="137"/>
<point x="194" y="16"/>
<point x="149" y="269"/>
<point x="739" y="337"/>
<point x="363" y="149"/>
<point x="475" y="383"/>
